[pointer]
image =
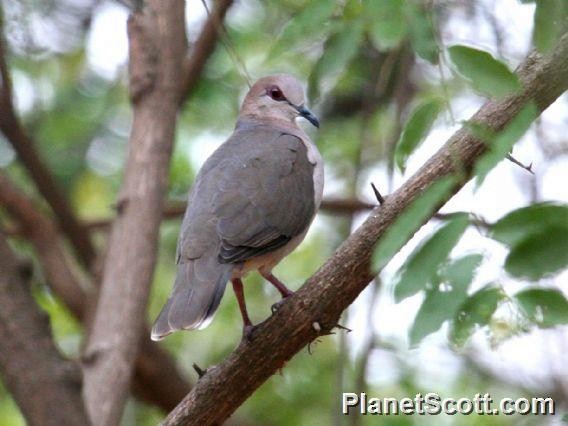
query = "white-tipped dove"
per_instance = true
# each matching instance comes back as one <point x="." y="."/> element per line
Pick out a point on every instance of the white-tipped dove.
<point x="250" y="206"/>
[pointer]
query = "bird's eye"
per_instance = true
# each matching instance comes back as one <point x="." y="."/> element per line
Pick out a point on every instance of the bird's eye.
<point x="275" y="93"/>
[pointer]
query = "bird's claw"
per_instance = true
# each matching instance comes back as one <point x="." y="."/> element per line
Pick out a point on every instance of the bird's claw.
<point x="275" y="307"/>
<point x="248" y="332"/>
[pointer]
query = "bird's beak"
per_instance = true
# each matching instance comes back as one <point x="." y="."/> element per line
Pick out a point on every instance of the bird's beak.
<point x="308" y="115"/>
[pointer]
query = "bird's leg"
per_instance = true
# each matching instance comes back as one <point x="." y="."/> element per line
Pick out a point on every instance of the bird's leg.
<point x="239" y="293"/>
<point x="284" y="291"/>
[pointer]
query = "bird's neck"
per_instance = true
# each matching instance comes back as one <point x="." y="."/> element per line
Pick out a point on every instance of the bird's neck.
<point x="286" y="125"/>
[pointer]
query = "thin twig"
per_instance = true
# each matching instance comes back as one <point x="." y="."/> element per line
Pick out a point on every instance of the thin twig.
<point x="474" y="219"/>
<point x="229" y="46"/>
<point x="174" y="210"/>
<point x="203" y="48"/>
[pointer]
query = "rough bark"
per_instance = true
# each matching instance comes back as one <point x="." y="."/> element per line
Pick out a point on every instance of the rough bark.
<point x="316" y="307"/>
<point x="45" y="386"/>
<point x="157" y="379"/>
<point x="157" y="46"/>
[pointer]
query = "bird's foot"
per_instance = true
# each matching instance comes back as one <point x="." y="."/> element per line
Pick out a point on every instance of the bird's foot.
<point x="274" y="308"/>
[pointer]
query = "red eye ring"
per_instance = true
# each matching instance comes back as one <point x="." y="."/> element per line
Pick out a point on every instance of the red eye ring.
<point x="275" y="93"/>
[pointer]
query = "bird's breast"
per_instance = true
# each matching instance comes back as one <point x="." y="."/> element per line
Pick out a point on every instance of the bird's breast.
<point x="315" y="158"/>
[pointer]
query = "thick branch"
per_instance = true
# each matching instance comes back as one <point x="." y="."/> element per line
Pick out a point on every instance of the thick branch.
<point x="319" y="303"/>
<point x="157" y="45"/>
<point x="44" y="384"/>
<point x="156" y="377"/>
<point x="14" y="132"/>
<point x="203" y="48"/>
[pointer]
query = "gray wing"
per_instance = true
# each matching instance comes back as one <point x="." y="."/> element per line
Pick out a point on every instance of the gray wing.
<point x="265" y="195"/>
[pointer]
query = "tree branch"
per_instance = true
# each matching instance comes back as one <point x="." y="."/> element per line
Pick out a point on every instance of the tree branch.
<point x="156" y="376"/>
<point x="202" y="49"/>
<point x="157" y="45"/>
<point x="43" y="235"/>
<point x="44" y="384"/>
<point x="14" y="132"/>
<point x="316" y="307"/>
<point x="24" y="146"/>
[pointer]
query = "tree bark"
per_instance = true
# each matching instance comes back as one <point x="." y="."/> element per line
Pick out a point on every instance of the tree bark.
<point x="157" y="46"/>
<point x="314" y="310"/>
<point x="45" y="386"/>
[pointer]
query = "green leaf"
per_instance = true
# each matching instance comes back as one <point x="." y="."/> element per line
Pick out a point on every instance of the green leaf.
<point x="545" y="307"/>
<point x="442" y="302"/>
<point x="486" y="74"/>
<point x="339" y="49"/>
<point x="477" y="310"/>
<point x="460" y="272"/>
<point x="422" y="31"/>
<point x="504" y="141"/>
<point x="410" y="220"/>
<point x="525" y="221"/>
<point x="425" y="261"/>
<point x="550" y="22"/>
<point x="540" y="254"/>
<point x="416" y="130"/>
<point x="386" y="22"/>
<point x="312" y="18"/>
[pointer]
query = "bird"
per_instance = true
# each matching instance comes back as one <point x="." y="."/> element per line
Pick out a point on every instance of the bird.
<point x="251" y="205"/>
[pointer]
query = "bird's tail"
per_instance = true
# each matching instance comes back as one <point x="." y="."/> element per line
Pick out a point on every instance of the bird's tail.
<point x="198" y="289"/>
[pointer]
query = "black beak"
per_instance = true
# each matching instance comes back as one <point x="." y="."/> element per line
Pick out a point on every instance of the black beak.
<point x="308" y="115"/>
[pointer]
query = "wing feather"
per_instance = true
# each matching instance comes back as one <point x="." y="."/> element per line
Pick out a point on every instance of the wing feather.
<point x="275" y="197"/>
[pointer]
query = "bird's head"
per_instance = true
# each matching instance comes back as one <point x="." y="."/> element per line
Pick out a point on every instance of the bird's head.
<point x="277" y="97"/>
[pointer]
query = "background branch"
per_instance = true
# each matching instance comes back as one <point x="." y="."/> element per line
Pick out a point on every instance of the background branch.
<point x="202" y="49"/>
<point x="44" y="384"/>
<point x="336" y="284"/>
<point x="156" y="47"/>
<point x="156" y="376"/>
<point x="24" y="146"/>
<point x="334" y="206"/>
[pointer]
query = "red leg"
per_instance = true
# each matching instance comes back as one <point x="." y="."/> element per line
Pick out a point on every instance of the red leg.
<point x="284" y="291"/>
<point x="239" y="293"/>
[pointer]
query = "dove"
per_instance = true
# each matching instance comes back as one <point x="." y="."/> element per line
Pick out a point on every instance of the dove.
<point x="250" y="206"/>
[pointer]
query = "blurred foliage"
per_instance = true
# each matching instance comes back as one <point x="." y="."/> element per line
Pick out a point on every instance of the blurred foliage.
<point x="380" y="77"/>
<point x="410" y="220"/>
<point x="423" y="263"/>
<point x="416" y="129"/>
<point x="485" y="73"/>
<point x="550" y="22"/>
